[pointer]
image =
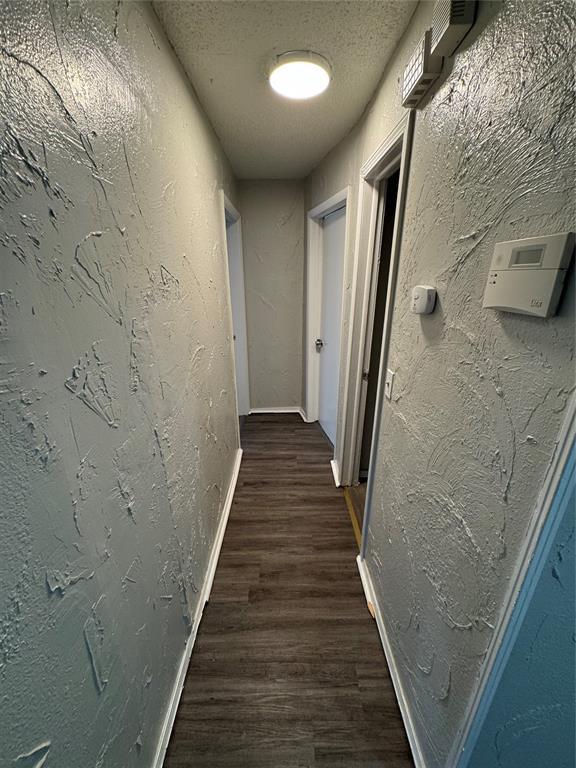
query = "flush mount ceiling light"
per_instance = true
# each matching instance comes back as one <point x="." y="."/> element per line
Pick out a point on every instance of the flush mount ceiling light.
<point x="300" y="74"/>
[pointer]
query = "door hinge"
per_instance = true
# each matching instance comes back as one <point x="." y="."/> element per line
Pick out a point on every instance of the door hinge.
<point x="365" y="375"/>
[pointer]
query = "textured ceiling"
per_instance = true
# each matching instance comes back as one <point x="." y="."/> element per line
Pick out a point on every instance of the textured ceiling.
<point x="226" y="49"/>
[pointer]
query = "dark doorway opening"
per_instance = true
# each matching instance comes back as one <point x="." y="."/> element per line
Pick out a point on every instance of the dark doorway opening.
<point x="389" y="194"/>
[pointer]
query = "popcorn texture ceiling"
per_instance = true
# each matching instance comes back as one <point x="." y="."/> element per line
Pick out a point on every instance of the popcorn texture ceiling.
<point x="226" y="49"/>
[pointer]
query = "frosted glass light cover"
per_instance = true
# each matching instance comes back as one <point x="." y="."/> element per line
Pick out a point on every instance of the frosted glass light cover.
<point x="300" y="75"/>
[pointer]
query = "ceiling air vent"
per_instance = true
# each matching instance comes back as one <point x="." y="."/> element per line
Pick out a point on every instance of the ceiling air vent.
<point x="420" y="72"/>
<point x="451" y="21"/>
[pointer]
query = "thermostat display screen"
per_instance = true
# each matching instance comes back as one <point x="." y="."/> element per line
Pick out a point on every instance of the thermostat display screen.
<point x="526" y="257"/>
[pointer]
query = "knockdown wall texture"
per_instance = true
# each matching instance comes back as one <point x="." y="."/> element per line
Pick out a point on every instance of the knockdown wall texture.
<point x="530" y="721"/>
<point x="479" y="396"/>
<point x="273" y="238"/>
<point x="117" y="407"/>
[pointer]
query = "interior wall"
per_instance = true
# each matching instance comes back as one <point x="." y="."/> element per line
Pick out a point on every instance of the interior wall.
<point x="273" y="238"/>
<point x="479" y="395"/>
<point x="117" y="407"/>
<point x="530" y="720"/>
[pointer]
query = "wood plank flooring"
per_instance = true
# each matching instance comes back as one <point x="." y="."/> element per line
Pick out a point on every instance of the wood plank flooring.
<point x="287" y="670"/>
<point x="358" y="499"/>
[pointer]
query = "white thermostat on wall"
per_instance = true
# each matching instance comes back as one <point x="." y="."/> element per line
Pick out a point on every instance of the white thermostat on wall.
<point x="423" y="299"/>
<point x="526" y="276"/>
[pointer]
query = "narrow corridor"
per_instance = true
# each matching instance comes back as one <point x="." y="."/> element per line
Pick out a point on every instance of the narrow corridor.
<point x="287" y="669"/>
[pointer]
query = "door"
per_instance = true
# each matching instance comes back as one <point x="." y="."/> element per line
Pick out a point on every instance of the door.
<point x="333" y="235"/>
<point x="238" y="301"/>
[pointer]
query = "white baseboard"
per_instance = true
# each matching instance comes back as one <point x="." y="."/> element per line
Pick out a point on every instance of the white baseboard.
<point x="286" y="409"/>
<point x="336" y="472"/>
<point x="204" y="597"/>
<point x="374" y="609"/>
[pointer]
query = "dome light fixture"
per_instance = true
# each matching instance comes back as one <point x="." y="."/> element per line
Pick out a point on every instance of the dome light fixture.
<point x="300" y="74"/>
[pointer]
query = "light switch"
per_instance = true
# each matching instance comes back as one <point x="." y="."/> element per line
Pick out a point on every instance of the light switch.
<point x="388" y="382"/>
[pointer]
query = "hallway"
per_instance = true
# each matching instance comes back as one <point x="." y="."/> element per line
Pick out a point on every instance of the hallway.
<point x="347" y="225"/>
<point x="287" y="668"/>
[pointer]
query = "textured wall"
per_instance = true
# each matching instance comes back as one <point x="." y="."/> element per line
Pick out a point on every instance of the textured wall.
<point x="273" y="235"/>
<point x="479" y="396"/>
<point x="117" y="407"/>
<point x="530" y="722"/>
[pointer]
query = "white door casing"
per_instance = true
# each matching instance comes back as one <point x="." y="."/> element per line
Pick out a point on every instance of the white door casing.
<point x="373" y="170"/>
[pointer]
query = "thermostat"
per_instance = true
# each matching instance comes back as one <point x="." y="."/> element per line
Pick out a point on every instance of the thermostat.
<point x="526" y="276"/>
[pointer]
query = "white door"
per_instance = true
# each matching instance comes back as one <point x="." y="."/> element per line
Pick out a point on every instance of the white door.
<point x="238" y="301"/>
<point x="333" y="232"/>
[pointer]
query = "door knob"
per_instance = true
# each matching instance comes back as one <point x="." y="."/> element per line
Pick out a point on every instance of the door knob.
<point x="319" y="345"/>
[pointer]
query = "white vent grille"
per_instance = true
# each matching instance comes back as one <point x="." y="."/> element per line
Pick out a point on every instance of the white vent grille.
<point x="420" y="72"/>
<point x="451" y="21"/>
<point x="440" y="20"/>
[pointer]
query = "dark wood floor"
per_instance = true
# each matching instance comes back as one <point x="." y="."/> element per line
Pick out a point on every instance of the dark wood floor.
<point x="287" y="670"/>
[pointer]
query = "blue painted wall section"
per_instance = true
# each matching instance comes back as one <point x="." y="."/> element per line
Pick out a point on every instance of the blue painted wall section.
<point x="530" y="722"/>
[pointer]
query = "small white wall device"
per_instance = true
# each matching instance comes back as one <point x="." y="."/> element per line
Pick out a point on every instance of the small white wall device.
<point x="526" y="276"/>
<point x="423" y="299"/>
<point x="451" y="20"/>
<point x="420" y="72"/>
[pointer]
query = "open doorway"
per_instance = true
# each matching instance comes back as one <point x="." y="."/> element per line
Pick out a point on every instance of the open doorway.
<point x="387" y="206"/>
<point x="382" y="198"/>
<point x="388" y="199"/>
<point x="238" y="305"/>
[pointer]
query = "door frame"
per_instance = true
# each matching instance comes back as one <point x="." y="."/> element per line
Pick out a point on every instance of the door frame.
<point x="374" y="169"/>
<point x="383" y="161"/>
<point x="392" y="163"/>
<point x="314" y="262"/>
<point x="233" y="229"/>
